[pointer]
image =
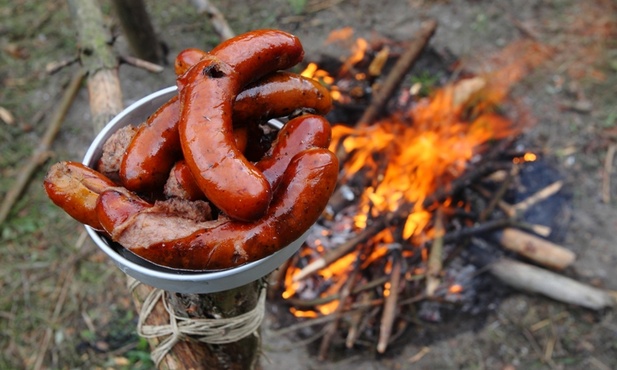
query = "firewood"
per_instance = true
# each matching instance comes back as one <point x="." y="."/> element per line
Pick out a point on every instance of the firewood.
<point x="400" y="69"/>
<point x="534" y="279"/>
<point x="390" y="305"/>
<point x="536" y="249"/>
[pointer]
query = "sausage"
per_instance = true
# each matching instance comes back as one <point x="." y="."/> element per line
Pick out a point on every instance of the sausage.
<point x="156" y="146"/>
<point x="297" y="135"/>
<point x="153" y="151"/>
<point x="75" y="188"/>
<point x="255" y="54"/>
<point x="181" y="183"/>
<point x="305" y="189"/>
<point x="187" y="58"/>
<point x="280" y="94"/>
<point x="208" y="90"/>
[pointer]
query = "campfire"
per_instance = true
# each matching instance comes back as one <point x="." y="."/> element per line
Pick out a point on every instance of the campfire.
<point x="425" y="178"/>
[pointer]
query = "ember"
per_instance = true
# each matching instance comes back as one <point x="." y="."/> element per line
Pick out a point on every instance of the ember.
<point x="394" y="232"/>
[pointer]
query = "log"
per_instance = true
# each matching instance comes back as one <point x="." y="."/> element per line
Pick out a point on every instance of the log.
<point x="138" y="30"/>
<point x="534" y="279"/>
<point x="536" y="249"/>
<point x="98" y="60"/>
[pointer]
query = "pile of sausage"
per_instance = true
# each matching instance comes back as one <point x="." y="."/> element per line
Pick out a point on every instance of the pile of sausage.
<point x="195" y="187"/>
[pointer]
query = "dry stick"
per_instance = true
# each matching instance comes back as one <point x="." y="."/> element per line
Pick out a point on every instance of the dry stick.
<point x="435" y="258"/>
<point x="141" y="63"/>
<point x="42" y="151"/>
<point x="537" y="197"/>
<point x="400" y="69"/>
<point x="390" y="305"/>
<point x="219" y="23"/>
<point x="560" y="288"/>
<point x="338" y="314"/>
<point x="608" y="170"/>
<point x="336" y="253"/>
<point x="499" y="194"/>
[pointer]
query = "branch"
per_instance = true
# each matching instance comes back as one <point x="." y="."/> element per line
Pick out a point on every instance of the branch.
<point x="42" y="151"/>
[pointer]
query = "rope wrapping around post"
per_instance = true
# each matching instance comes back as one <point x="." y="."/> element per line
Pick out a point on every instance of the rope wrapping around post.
<point x="205" y="330"/>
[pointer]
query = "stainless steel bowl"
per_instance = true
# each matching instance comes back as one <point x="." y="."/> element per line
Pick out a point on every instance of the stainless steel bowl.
<point x="174" y="280"/>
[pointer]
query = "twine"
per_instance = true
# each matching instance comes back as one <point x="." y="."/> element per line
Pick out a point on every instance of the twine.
<point x="212" y="331"/>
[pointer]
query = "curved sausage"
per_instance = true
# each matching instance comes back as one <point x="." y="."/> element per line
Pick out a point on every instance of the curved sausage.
<point x="187" y="58"/>
<point x="304" y="192"/>
<point x="297" y="135"/>
<point x="153" y="151"/>
<point x="75" y="188"/>
<point x="255" y="54"/>
<point x="278" y="95"/>
<point x="207" y="92"/>
<point x="156" y="146"/>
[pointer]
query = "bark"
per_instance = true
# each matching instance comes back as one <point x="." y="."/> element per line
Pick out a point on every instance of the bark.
<point x="98" y="60"/>
<point x="138" y="29"/>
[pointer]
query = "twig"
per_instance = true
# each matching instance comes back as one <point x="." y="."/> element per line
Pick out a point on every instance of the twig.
<point x="537" y="197"/>
<point x="560" y="288"/>
<point x="54" y="67"/>
<point x="497" y="197"/>
<point x="395" y="77"/>
<point x="435" y="258"/>
<point x="141" y="63"/>
<point x="219" y="23"/>
<point x="334" y="254"/>
<point x="608" y="171"/>
<point x="390" y="305"/>
<point x="42" y="151"/>
<point x="338" y="313"/>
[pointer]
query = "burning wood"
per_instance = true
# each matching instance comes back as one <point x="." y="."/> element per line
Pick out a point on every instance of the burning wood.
<point x="396" y="230"/>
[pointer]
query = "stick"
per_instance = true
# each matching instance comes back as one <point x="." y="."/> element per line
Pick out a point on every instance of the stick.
<point x="560" y="288"/>
<point x="606" y="176"/>
<point x="141" y="63"/>
<point x="219" y="23"/>
<point x="390" y="306"/>
<point x="435" y="258"/>
<point x="537" y="197"/>
<point x="400" y="69"/>
<point x="334" y="254"/>
<point x="41" y="153"/>
<point x="537" y="249"/>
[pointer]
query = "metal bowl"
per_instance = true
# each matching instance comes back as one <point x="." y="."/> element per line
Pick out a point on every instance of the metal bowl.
<point x="174" y="280"/>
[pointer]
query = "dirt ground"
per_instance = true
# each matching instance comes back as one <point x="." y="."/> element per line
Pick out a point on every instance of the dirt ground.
<point x="65" y="306"/>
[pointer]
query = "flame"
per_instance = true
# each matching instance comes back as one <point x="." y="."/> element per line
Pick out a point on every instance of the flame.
<point x="455" y="289"/>
<point x="407" y="156"/>
<point x="423" y="149"/>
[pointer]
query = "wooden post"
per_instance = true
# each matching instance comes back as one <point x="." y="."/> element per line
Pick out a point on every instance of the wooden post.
<point x="101" y="64"/>
<point x="138" y="29"/>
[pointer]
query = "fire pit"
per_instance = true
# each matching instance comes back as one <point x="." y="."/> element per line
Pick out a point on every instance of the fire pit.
<point x="431" y="195"/>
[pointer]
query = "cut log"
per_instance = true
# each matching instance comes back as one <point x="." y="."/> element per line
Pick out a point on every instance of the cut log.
<point x="534" y="279"/>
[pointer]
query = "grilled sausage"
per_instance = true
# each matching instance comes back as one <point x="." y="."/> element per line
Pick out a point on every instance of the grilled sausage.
<point x="75" y="188"/>
<point x="305" y="188"/>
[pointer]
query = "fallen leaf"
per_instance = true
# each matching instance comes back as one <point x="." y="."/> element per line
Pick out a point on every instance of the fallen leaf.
<point x="7" y="116"/>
